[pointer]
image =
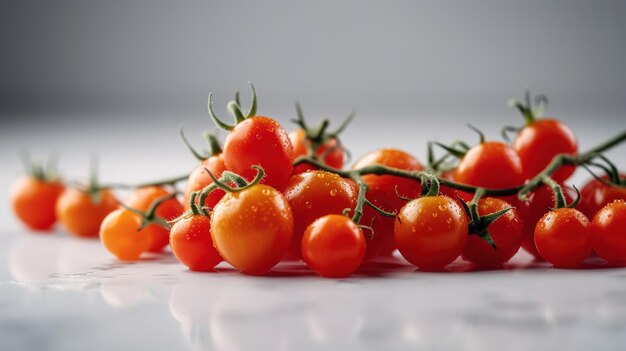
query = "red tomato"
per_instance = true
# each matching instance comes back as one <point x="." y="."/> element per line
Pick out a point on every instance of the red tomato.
<point x="314" y="194"/>
<point x="382" y="193"/>
<point x="608" y="232"/>
<point x="34" y="200"/>
<point x="334" y="158"/>
<point x="260" y="141"/>
<point x="595" y="195"/>
<point x="120" y="235"/>
<point x="431" y="231"/>
<point x="80" y="215"/>
<point x="490" y="165"/>
<point x="192" y="243"/>
<point x="333" y="246"/>
<point x="563" y="237"/>
<point x="252" y="229"/>
<point x="141" y="199"/>
<point x="199" y="179"/>
<point x="538" y="143"/>
<point x="506" y="232"/>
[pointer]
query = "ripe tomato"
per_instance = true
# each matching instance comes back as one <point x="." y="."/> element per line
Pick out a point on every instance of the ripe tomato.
<point x="431" y="231"/>
<point x="80" y="215"/>
<point x="141" y="199"/>
<point x="33" y="201"/>
<point x="314" y="194"/>
<point x="537" y="144"/>
<point x="490" y="165"/>
<point x="192" y="243"/>
<point x="260" y="141"/>
<point x="382" y="193"/>
<point x="199" y="179"/>
<point x="120" y="235"/>
<point x="539" y="203"/>
<point x="595" y="195"/>
<point x="333" y="246"/>
<point x="563" y="237"/>
<point x="334" y="153"/>
<point x="608" y="232"/>
<point x="506" y="232"/>
<point x="252" y="229"/>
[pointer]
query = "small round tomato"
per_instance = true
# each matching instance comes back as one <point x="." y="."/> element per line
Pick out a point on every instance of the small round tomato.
<point x="431" y="231"/>
<point x="506" y="232"/>
<point x="539" y="203"/>
<point x="33" y="201"/>
<point x="563" y="237"/>
<point x="263" y="142"/>
<point x="608" y="232"/>
<point x="120" y="235"/>
<point x="382" y="193"/>
<point x="538" y="142"/>
<point x="141" y="199"/>
<point x="252" y="229"/>
<point x="192" y="243"/>
<point x="490" y="165"/>
<point x="595" y="195"/>
<point x="335" y="155"/>
<point x="80" y="215"/>
<point x="199" y="179"/>
<point x="333" y="246"/>
<point x="314" y="194"/>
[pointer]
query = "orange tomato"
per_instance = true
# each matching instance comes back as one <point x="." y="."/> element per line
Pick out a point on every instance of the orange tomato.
<point x="34" y="200"/>
<point x="120" y="235"/>
<point x="80" y="215"/>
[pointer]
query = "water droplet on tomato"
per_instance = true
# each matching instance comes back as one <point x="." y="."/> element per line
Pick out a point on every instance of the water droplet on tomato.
<point x="435" y="214"/>
<point x="333" y="192"/>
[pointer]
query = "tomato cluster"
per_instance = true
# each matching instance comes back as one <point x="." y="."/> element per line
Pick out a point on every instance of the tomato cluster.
<point x="268" y="195"/>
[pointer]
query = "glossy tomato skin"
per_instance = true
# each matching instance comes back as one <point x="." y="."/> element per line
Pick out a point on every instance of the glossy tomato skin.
<point x="595" y="195"/>
<point x="314" y="194"/>
<point x="538" y="204"/>
<point x="199" y="179"/>
<point x="431" y="231"/>
<point x="260" y="141"/>
<point x="34" y="200"/>
<point x="141" y="199"/>
<point x="538" y="143"/>
<point x="192" y="244"/>
<point x="490" y="165"/>
<point x="608" y="232"/>
<point x="120" y="235"/>
<point x="333" y="246"/>
<point x="253" y="229"/>
<point x="506" y="232"/>
<point x="382" y="193"/>
<point x="81" y="216"/>
<point x="563" y="237"/>
<point x="334" y="158"/>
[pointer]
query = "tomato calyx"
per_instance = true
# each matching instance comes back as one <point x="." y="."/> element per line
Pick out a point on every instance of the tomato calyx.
<point x="149" y="216"/>
<point x="214" y="147"/>
<point x="529" y="110"/>
<point x="45" y="172"/>
<point x="458" y="148"/>
<point x="479" y="225"/>
<point x="613" y="176"/>
<point x="235" y="109"/>
<point x="559" y="197"/>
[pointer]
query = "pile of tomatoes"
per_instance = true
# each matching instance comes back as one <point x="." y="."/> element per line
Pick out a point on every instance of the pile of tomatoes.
<point x="267" y="195"/>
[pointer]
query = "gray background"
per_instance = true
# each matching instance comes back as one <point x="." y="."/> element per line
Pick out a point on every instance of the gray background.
<point x="118" y="77"/>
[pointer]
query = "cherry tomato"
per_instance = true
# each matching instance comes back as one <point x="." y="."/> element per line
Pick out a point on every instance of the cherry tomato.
<point x="537" y="144"/>
<point x="33" y="201"/>
<point x="141" y="199"/>
<point x="506" y="232"/>
<point x="252" y="229"/>
<point x="333" y="246"/>
<point x="490" y="164"/>
<point x="431" y="231"/>
<point x="608" y="232"/>
<point x="120" y="235"/>
<point x="595" y="195"/>
<point x="80" y="215"/>
<point x="538" y="204"/>
<point x="192" y="243"/>
<point x="199" y="179"/>
<point x="563" y="237"/>
<point x="334" y="154"/>
<point x="260" y="141"/>
<point x="382" y="193"/>
<point x="314" y="194"/>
